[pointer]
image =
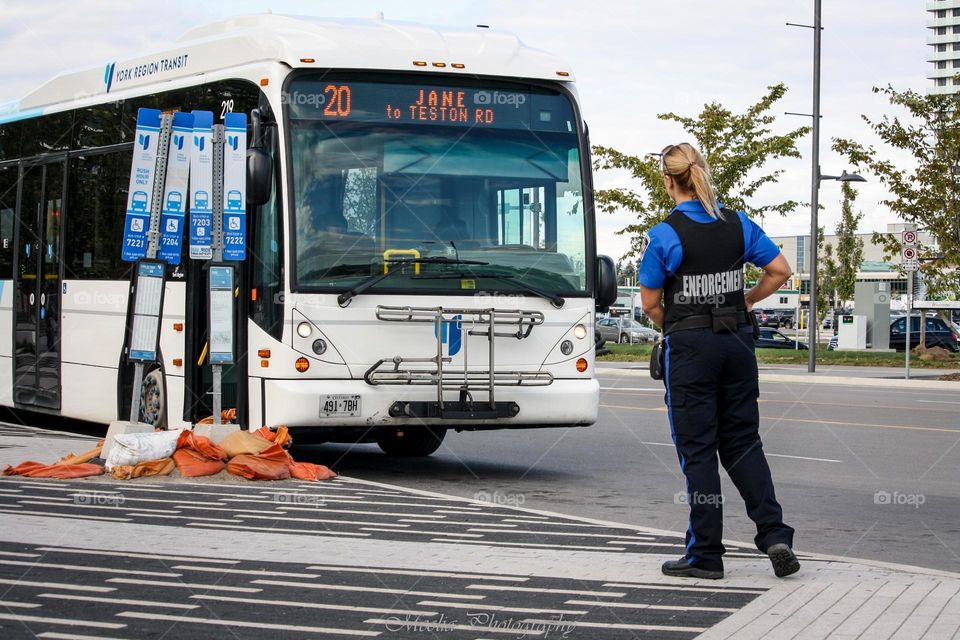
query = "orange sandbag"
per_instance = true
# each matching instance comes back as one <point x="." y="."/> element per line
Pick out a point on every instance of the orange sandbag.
<point x="269" y="464"/>
<point x="201" y="444"/>
<point x="227" y="416"/>
<point x="80" y="458"/>
<point x="309" y="471"/>
<point x="281" y="436"/>
<point x="31" y="469"/>
<point x="243" y="442"/>
<point x="193" y="464"/>
<point x="161" y="467"/>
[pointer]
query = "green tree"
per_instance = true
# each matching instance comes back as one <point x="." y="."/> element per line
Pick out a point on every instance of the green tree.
<point x="738" y="147"/>
<point x="627" y="272"/>
<point x="827" y="278"/>
<point x="849" y="246"/>
<point x="923" y="190"/>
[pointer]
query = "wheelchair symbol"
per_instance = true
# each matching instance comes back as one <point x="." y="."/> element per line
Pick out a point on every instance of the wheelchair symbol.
<point x="172" y="226"/>
<point x="136" y="225"/>
<point x="234" y="224"/>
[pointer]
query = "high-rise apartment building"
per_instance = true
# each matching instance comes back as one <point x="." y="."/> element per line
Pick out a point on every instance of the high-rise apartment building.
<point x="944" y="39"/>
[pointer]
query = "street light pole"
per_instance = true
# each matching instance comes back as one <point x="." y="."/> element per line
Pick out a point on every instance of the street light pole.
<point x="814" y="191"/>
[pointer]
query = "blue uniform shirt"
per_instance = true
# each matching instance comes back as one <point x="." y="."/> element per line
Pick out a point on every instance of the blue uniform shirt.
<point x="663" y="253"/>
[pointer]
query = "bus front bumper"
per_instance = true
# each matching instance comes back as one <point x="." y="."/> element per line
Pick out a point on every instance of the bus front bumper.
<point x="564" y="403"/>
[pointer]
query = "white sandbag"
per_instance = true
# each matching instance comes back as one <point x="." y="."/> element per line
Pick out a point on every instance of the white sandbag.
<point x="134" y="448"/>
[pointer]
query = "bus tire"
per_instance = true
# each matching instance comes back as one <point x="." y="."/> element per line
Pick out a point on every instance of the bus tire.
<point x="153" y="400"/>
<point x="410" y="443"/>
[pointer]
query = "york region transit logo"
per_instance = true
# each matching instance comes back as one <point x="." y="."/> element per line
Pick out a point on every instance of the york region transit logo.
<point x="450" y="333"/>
<point x="108" y="75"/>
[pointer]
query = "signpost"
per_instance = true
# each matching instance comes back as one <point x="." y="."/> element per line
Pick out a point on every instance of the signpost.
<point x="141" y="241"/>
<point x="910" y="263"/>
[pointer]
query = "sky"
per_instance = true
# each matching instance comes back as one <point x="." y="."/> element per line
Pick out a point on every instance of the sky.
<point x="632" y="59"/>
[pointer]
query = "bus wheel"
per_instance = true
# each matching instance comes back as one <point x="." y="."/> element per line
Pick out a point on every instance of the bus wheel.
<point x="153" y="406"/>
<point x="413" y="442"/>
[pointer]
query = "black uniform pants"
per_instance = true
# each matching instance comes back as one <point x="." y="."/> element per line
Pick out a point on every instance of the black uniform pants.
<point x="712" y="391"/>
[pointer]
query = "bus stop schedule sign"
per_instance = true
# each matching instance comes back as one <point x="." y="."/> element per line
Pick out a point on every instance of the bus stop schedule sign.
<point x="201" y="186"/>
<point x="235" y="186"/>
<point x="140" y="195"/>
<point x="221" y="314"/>
<point x="147" y="305"/>
<point x="175" y="188"/>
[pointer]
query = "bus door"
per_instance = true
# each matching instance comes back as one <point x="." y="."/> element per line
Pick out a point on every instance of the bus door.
<point x="37" y="282"/>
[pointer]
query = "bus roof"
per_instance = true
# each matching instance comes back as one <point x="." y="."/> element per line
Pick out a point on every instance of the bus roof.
<point x="302" y="42"/>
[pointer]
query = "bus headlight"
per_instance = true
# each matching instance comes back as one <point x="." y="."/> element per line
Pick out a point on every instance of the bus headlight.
<point x="580" y="332"/>
<point x="304" y="329"/>
<point x="566" y="347"/>
<point x="319" y="346"/>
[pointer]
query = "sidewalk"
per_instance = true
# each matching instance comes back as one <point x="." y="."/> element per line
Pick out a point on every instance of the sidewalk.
<point x="888" y="377"/>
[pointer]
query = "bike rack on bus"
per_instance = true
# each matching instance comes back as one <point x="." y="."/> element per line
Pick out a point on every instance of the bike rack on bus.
<point x="491" y="323"/>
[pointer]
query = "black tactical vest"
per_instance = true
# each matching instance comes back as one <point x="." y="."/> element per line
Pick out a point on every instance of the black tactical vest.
<point x="710" y="275"/>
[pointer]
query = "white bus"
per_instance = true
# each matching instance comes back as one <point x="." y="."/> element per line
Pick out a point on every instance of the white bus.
<point x="421" y="257"/>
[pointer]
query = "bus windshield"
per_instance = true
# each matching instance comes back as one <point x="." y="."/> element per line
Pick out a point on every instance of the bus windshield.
<point x="485" y="172"/>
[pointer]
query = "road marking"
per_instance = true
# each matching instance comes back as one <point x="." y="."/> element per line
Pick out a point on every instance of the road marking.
<point x="938" y="401"/>
<point x="146" y="556"/>
<point x="56" y="585"/>
<point x="247" y="572"/>
<point x="54" y="514"/>
<point x="426" y="533"/>
<point x="63" y="621"/>
<point x="767" y="453"/>
<point x="405" y="572"/>
<point x="141" y="603"/>
<point x="657" y="607"/>
<point x="341" y="587"/>
<point x="556" y="524"/>
<point x="434" y="627"/>
<point x="683" y="587"/>
<point x="494" y="607"/>
<point x="456" y="522"/>
<point x="7" y="604"/>
<point x="477" y="512"/>
<point x="820" y="422"/>
<point x="356" y="512"/>
<point x="319" y="605"/>
<point x="53" y="635"/>
<point x="241" y="527"/>
<point x="561" y="533"/>
<point x="566" y="592"/>
<point x="14" y="554"/>
<point x="76" y="567"/>
<point x="184" y="585"/>
<point x="245" y="624"/>
<point x="534" y="545"/>
<point x="263" y="516"/>
<point x="555" y="624"/>
<point x="633" y="389"/>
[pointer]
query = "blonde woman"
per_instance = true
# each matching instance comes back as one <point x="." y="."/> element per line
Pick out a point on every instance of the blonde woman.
<point x="691" y="283"/>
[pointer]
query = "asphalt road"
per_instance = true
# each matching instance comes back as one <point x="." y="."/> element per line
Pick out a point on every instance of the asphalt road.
<point x="861" y="472"/>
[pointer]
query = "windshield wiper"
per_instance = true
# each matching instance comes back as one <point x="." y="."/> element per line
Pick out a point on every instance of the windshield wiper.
<point x="556" y="300"/>
<point x="344" y="298"/>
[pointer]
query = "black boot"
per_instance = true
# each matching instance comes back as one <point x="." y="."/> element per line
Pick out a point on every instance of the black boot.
<point x="682" y="569"/>
<point x="783" y="560"/>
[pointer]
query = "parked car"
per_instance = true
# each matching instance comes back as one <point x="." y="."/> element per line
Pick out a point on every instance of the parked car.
<point x="787" y="318"/>
<point x="625" y="330"/>
<point x="773" y="339"/>
<point x="939" y="334"/>
<point x="767" y="318"/>
<point x="832" y="345"/>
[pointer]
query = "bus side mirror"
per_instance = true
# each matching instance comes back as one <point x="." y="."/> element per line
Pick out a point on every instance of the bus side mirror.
<point x="606" y="283"/>
<point x="259" y="176"/>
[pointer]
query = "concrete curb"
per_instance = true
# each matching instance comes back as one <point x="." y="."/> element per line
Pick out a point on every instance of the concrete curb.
<point x="886" y="383"/>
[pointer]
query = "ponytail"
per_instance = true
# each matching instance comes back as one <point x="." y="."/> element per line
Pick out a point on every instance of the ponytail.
<point x="684" y="164"/>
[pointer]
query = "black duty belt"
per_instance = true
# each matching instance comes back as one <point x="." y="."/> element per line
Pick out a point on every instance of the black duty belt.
<point x="704" y="321"/>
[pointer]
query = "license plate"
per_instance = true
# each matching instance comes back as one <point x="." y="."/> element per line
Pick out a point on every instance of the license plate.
<point x="333" y="406"/>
